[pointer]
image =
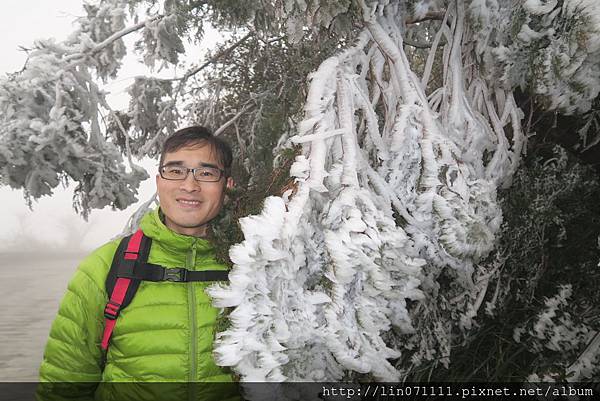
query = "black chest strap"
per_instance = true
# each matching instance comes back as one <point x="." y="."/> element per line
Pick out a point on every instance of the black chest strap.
<point x="152" y="272"/>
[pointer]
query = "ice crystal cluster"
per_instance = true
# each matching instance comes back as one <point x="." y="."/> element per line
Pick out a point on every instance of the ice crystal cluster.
<point x="548" y="47"/>
<point x="373" y="255"/>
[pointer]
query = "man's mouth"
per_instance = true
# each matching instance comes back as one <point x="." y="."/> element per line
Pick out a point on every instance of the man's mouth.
<point x="189" y="202"/>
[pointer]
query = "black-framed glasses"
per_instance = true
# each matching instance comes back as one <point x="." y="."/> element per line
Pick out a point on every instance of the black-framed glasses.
<point x="180" y="173"/>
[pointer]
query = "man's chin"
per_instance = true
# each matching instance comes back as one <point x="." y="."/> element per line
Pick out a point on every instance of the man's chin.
<point x="187" y="226"/>
<point x="192" y="224"/>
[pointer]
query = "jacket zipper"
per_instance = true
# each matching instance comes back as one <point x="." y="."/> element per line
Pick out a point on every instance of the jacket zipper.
<point x="190" y="264"/>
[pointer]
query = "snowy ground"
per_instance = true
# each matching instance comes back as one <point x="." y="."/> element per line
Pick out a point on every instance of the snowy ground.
<point x="31" y="288"/>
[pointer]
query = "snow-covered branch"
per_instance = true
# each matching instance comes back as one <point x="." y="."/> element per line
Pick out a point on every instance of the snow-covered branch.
<point x="111" y="39"/>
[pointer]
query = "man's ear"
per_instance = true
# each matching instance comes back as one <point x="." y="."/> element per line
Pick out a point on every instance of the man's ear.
<point x="230" y="183"/>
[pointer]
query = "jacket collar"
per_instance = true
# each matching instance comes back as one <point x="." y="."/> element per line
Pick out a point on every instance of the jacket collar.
<point x="153" y="227"/>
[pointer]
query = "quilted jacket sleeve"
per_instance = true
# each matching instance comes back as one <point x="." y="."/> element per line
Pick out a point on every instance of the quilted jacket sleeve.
<point x="73" y="359"/>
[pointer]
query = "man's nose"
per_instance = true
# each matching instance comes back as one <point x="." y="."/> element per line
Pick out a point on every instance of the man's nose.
<point x="190" y="184"/>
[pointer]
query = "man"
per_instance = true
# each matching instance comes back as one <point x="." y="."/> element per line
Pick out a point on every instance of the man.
<point x="166" y="332"/>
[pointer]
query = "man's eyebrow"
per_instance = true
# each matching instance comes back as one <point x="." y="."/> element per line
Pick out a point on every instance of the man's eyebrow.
<point x="180" y="163"/>
<point x="174" y="163"/>
<point x="210" y="165"/>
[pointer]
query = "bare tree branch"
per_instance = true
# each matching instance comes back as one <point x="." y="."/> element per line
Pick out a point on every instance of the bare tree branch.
<point x="212" y="60"/>
<point x="27" y="51"/>
<point x="233" y="119"/>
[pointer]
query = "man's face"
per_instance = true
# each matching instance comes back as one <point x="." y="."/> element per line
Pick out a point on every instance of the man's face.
<point x="189" y="205"/>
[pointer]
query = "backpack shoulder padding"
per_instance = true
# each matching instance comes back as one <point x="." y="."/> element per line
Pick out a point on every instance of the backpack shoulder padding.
<point x="118" y="259"/>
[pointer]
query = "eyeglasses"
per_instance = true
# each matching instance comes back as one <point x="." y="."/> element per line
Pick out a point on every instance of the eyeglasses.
<point x="180" y="173"/>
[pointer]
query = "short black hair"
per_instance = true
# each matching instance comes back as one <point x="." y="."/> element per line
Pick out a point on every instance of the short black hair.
<point x="198" y="135"/>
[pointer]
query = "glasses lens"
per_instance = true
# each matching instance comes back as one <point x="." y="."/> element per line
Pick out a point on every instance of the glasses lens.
<point x="174" y="172"/>
<point x="207" y="174"/>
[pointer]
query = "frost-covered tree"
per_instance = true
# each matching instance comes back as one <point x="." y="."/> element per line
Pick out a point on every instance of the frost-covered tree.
<point x="385" y="209"/>
<point x="394" y="125"/>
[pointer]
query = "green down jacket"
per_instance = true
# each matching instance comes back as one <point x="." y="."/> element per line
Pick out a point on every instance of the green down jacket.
<point x="164" y="335"/>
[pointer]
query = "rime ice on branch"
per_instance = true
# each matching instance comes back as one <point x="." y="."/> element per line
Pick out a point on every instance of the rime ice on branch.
<point x="394" y="189"/>
<point x="51" y="114"/>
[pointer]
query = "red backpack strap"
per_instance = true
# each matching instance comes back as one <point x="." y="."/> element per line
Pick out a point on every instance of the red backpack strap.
<point x="131" y="250"/>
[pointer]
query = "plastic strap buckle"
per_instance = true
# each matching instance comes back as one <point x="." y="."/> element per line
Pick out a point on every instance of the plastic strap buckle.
<point x="177" y="274"/>
<point x="112" y="309"/>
